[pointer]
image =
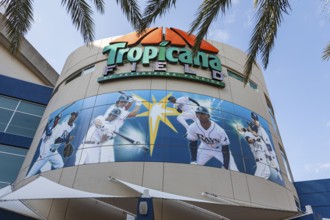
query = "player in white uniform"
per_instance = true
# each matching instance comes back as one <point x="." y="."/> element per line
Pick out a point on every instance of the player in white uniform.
<point x="90" y="150"/>
<point x="123" y="103"/>
<point x="52" y="139"/>
<point x="259" y="151"/>
<point x="184" y="106"/>
<point x="214" y="141"/>
<point x="272" y="159"/>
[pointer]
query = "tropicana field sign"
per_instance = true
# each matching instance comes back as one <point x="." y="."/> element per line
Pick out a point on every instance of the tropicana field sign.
<point x="158" y="49"/>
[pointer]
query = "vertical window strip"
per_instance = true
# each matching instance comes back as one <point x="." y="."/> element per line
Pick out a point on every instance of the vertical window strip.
<point x="12" y="116"/>
<point x="286" y="164"/>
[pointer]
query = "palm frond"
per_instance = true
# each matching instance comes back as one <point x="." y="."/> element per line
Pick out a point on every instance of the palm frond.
<point x="206" y="14"/>
<point x="269" y="16"/>
<point x="326" y="53"/>
<point x="132" y="11"/>
<point x="4" y="2"/>
<point x="19" y="18"/>
<point x="81" y="15"/>
<point x="154" y="9"/>
<point x="99" y="4"/>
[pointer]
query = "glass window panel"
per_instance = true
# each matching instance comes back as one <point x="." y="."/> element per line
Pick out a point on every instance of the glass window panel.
<point x="234" y="75"/>
<point x="23" y="124"/>
<point x="286" y="165"/>
<point x="31" y="108"/>
<point x="88" y="70"/>
<point x="5" y="116"/>
<point x="10" y="165"/>
<point x="253" y="85"/>
<point x="13" y="150"/>
<point x="73" y="77"/>
<point x="7" y="102"/>
<point x="3" y="184"/>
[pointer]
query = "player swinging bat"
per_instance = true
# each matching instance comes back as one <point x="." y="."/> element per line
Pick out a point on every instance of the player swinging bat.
<point x="144" y="147"/>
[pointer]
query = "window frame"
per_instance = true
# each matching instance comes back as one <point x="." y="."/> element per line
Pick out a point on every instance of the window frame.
<point x="15" y="110"/>
<point x="240" y="77"/>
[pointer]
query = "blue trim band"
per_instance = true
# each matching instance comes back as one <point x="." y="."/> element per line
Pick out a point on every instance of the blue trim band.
<point x="25" y="90"/>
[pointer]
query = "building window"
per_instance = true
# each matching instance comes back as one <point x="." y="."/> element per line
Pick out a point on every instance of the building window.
<point x="237" y="76"/>
<point x="297" y="203"/>
<point x="87" y="70"/>
<point x="286" y="164"/>
<point x="272" y="115"/>
<point x="253" y="85"/>
<point x="83" y="72"/>
<point x="11" y="160"/>
<point x="73" y="78"/>
<point x="19" y="117"/>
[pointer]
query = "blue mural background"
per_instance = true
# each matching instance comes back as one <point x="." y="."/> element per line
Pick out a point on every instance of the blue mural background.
<point x="164" y="136"/>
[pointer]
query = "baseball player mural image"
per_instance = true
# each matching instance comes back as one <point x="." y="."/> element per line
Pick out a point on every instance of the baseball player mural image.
<point x="184" y="107"/>
<point x="101" y="130"/>
<point x="122" y="106"/>
<point x="124" y="102"/>
<point x="261" y="132"/>
<point x="262" y="151"/>
<point x="214" y="141"/>
<point x="149" y="126"/>
<point x="54" y="137"/>
<point x="259" y="151"/>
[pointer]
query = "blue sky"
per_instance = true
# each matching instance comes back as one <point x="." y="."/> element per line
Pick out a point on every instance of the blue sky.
<point x="297" y="78"/>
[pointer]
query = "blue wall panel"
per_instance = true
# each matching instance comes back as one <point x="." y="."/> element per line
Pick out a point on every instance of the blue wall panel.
<point x="25" y="90"/>
<point x="315" y="193"/>
<point x="15" y="140"/>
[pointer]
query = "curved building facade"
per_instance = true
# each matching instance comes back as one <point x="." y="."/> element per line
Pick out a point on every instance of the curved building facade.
<point x="139" y="115"/>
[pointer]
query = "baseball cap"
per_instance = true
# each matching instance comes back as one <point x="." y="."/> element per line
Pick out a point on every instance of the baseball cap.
<point x="75" y="113"/>
<point x="254" y="116"/>
<point x="202" y="110"/>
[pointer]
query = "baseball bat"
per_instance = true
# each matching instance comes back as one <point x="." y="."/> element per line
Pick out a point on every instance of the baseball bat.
<point x="126" y="138"/>
<point x="125" y="94"/>
<point x="131" y="140"/>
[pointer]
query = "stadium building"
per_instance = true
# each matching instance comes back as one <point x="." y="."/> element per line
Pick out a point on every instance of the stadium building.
<point x="138" y="128"/>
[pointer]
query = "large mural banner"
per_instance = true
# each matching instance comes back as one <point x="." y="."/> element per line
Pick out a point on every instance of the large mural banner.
<point x="158" y="126"/>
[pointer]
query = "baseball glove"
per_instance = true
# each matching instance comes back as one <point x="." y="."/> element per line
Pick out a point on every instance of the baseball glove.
<point x="67" y="150"/>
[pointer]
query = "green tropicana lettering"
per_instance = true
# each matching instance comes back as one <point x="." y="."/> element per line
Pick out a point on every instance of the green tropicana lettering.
<point x="118" y="52"/>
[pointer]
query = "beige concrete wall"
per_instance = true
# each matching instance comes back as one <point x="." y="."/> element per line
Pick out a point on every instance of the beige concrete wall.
<point x="25" y="64"/>
<point x="182" y="179"/>
<point x="10" y="66"/>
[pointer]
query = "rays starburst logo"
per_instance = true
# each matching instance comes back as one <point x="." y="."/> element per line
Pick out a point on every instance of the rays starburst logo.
<point x="157" y="113"/>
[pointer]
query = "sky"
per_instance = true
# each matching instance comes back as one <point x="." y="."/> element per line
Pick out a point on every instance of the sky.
<point x="296" y="77"/>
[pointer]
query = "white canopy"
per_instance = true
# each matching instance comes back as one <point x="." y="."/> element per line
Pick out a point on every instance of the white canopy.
<point x="40" y="188"/>
<point x="158" y="194"/>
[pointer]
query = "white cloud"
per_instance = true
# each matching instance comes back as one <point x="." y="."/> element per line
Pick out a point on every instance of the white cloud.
<point x="219" y="35"/>
<point x="317" y="168"/>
